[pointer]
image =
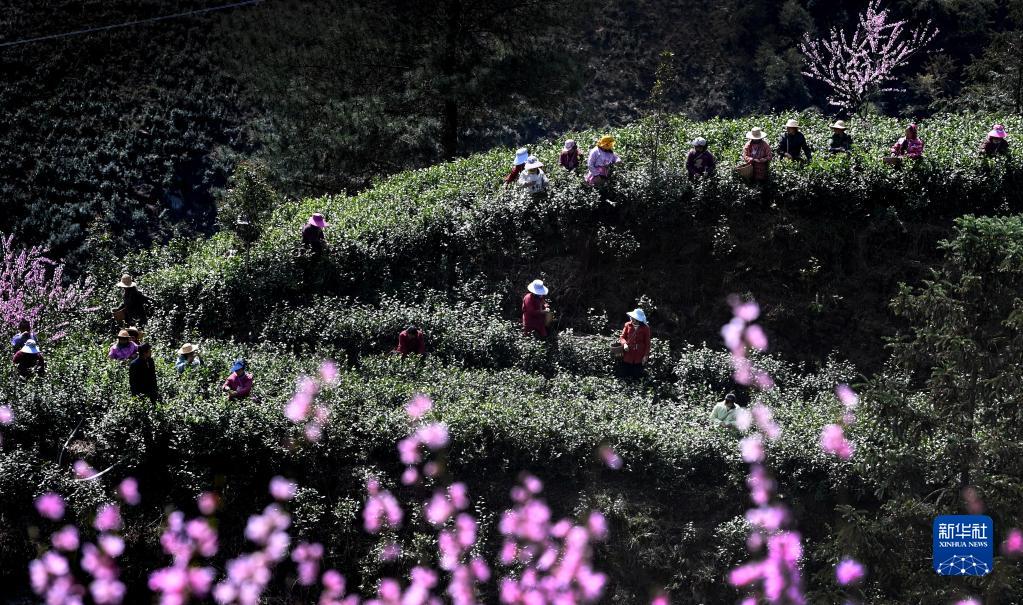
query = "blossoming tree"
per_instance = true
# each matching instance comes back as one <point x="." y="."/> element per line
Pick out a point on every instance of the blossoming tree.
<point x="32" y="288"/>
<point x="858" y="68"/>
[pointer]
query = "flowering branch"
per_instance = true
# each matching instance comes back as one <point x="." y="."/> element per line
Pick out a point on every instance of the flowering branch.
<point x="32" y="287"/>
<point x="859" y="68"/>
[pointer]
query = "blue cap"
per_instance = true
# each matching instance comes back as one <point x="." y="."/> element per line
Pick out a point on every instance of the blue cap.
<point x="239" y="364"/>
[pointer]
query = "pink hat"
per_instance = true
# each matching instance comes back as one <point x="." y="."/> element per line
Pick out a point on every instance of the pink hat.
<point x="912" y="127"/>
<point x="317" y="219"/>
<point x="997" y="131"/>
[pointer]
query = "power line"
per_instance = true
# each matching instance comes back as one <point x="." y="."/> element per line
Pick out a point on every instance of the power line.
<point x="129" y="23"/>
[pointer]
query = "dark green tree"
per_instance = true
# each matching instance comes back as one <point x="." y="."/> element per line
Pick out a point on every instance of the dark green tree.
<point x="372" y="86"/>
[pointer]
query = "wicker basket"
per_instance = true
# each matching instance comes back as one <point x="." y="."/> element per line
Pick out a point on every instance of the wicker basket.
<point x="617" y="350"/>
<point x="548" y="318"/>
<point x="745" y="171"/>
<point x="117" y="314"/>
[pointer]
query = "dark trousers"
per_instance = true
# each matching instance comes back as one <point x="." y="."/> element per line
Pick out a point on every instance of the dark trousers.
<point x="632" y="371"/>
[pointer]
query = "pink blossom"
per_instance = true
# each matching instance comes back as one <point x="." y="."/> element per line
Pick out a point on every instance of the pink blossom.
<point x="282" y="489"/>
<point x="756" y="338"/>
<point x="6" y="415"/>
<point x="764" y="420"/>
<point x="408" y="451"/>
<point x="298" y="408"/>
<point x="82" y="469"/>
<point x="333" y="583"/>
<point x="752" y="449"/>
<point x="848" y="572"/>
<point x="50" y="506"/>
<point x="107" y="591"/>
<point x="610" y="457"/>
<point x="111" y="544"/>
<point x="660" y="600"/>
<point x="313" y="432"/>
<point x="1013" y="544"/>
<point x="108" y="517"/>
<point x="66" y="538"/>
<point x="433" y="436"/>
<point x="767" y="518"/>
<point x="328" y="371"/>
<point x="747" y="311"/>
<point x="438" y="510"/>
<point x="847" y="396"/>
<point x="208" y="503"/>
<point x="419" y="406"/>
<point x="459" y="495"/>
<point x="597" y="525"/>
<point x="833" y="441"/>
<point x="731" y="333"/>
<point x="129" y="491"/>
<point x="859" y="67"/>
<point x="200" y="580"/>
<point x="970" y="601"/>
<point x="409" y="476"/>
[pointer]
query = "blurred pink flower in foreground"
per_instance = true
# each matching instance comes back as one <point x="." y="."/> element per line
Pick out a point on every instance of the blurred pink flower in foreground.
<point x="50" y="506"/>
<point x="833" y="441"/>
<point x="1013" y="544"/>
<point x="849" y="571"/>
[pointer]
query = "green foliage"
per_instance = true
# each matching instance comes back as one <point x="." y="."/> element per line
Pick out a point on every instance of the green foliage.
<point x="842" y="233"/>
<point x="111" y="141"/>
<point x="502" y="421"/>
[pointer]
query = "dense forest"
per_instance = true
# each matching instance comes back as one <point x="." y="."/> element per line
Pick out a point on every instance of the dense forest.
<point x="114" y="140"/>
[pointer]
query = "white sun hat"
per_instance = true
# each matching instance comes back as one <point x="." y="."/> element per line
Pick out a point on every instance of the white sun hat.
<point x="638" y="315"/>
<point x="30" y="347"/>
<point x="521" y="156"/>
<point x="756" y="134"/>
<point x="537" y="287"/>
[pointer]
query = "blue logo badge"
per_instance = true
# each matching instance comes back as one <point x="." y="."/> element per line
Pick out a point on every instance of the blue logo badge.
<point x="963" y="545"/>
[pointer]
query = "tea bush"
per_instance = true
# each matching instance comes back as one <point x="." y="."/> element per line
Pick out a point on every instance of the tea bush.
<point x="502" y="421"/>
<point x="827" y="243"/>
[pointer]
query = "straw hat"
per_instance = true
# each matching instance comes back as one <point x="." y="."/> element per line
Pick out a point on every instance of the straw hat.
<point x="792" y="124"/>
<point x="537" y="287"/>
<point x="569" y="145"/>
<point x="997" y="132"/>
<point x="126" y="282"/>
<point x="534" y="164"/>
<point x="839" y="125"/>
<point x="638" y="315"/>
<point x="606" y="142"/>
<point x="123" y="334"/>
<point x="30" y="347"/>
<point x="521" y="156"/>
<point x="188" y="348"/>
<point x="756" y="134"/>
<point x="317" y="220"/>
<point x="699" y="142"/>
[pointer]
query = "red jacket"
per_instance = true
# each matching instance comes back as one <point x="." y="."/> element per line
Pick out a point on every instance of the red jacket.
<point x="513" y="176"/>
<point x="534" y="316"/>
<point x="638" y="340"/>
<point x="411" y="344"/>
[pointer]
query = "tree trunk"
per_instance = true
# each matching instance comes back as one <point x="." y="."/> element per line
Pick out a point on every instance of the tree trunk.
<point x="449" y="136"/>
<point x="449" y="67"/>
